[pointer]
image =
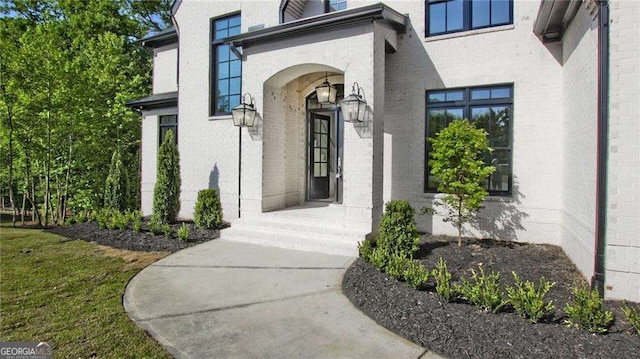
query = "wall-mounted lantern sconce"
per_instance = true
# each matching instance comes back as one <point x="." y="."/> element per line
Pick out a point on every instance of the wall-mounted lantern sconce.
<point x="354" y="106"/>
<point x="326" y="92"/>
<point x="244" y="115"/>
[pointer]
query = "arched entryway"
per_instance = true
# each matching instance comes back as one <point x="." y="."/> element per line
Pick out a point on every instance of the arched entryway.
<point x="302" y="139"/>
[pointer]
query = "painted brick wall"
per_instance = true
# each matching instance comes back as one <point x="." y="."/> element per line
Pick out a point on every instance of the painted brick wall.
<point x="165" y="69"/>
<point x="580" y="94"/>
<point x="508" y="54"/>
<point x="623" y="208"/>
<point x="208" y="146"/>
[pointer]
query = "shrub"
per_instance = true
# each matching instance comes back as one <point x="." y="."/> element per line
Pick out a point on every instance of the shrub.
<point x="587" y="311"/>
<point x="633" y="318"/>
<point x="379" y="258"/>
<point x="483" y="290"/>
<point x="398" y="234"/>
<point x="183" y="233"/>
<point x="137" y="225"/>
<point x="528" y="300"/>
<point x="116" y="185"/>
<point x="82" y="216"/>
<point x="155" y="227"/>
<point x="442" y="277"/>
<point x="208" y="211"/>
<point x="166" y="193"/>
<point x="365" y="250"/>
<point x="396" y="265"/>
<point x="457" y="161"/>
<point x="121" y="220"/>
<point x="416" y="274"/>
<point x="166" y="229"/>
<point x="103" y="217"/>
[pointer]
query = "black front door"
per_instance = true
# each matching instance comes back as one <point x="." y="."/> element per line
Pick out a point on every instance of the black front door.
<point x="319" y="156"/>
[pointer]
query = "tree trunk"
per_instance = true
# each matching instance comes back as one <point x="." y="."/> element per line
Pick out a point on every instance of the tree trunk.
<point x="9" y="106"/>
<point x="67" y="179"/>
<point x="32" y="185"/>
<point x="459" y="221"/>
<point x="47" y="185"/>
<point x="24" y="204"/>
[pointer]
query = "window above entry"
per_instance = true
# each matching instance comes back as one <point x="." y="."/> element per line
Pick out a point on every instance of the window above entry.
<point x="449" y="16"/>
<point x="291" y="10"/>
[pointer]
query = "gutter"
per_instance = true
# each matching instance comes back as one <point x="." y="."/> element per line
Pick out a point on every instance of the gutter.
<point x="598" y="278"/>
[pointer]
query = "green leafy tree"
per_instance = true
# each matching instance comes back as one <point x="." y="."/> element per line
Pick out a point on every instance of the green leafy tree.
<point x="116" y="187"/>
<point x="67" y="69"/>
<point x="457" y="162"/>
<point x="166" y="193"/>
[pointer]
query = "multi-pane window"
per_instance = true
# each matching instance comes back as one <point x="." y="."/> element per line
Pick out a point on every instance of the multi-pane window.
<point x="166" y="123"/>
<point x="445" y="16"/>
<point x="226" y="67"/>
<point x="335" y="5"/>
<point x="489" y="108"/>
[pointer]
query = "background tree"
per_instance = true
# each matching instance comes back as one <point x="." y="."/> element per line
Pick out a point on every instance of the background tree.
<point x="67" y="68"/>
<point x="166" y="193"/>
<point x="457" y="162"/>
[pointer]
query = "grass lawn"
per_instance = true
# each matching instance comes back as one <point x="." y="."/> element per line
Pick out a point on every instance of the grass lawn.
<point x="69" y="292"/>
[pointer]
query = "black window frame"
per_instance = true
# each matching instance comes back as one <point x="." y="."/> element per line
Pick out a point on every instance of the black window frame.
<point x="467" y="104"/>
<point x="213" y="64"/>
<point x="467" y="16"/>
<point x="168" y="125"/>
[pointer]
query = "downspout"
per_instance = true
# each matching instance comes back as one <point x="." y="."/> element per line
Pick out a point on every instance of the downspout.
<point x="598" y="279"/>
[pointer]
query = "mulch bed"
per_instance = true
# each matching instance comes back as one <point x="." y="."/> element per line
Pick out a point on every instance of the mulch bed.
<point x="144" y="241"/>
<point x="460" y="330"/>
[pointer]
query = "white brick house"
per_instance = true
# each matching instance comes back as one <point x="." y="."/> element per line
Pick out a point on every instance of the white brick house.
<point x="541" y="76"/>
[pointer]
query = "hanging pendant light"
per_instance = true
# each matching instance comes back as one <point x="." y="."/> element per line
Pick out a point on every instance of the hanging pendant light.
<point x="354" y="106"/>
<point x="326" y="92"/>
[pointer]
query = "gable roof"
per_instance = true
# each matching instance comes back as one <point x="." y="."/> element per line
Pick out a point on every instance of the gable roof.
<point x="321" y="22"/>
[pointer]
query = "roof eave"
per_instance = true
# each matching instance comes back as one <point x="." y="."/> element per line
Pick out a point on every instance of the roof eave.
<point x="155" y="101"/>
<point x="554" y="17"/>
<point x="163" y="38"/>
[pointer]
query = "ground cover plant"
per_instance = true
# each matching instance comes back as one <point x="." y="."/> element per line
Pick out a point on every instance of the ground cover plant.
<point x="70" y="293"/>
<point x="456" y="328"/>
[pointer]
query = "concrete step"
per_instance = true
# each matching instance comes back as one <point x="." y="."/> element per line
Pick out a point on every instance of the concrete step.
<point x="295" y="236"/>
<point x="302" y="226"/>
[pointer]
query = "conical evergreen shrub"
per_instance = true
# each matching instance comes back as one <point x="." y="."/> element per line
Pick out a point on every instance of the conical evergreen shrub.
<point x="116" y="187"/>
<point x="166" y="193"/>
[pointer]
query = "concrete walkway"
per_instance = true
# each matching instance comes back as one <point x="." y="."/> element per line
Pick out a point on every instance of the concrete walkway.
<point x="224" y="299"/>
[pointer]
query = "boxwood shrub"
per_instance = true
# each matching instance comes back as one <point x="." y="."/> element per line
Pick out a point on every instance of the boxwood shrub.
<point x="208" y="211"/>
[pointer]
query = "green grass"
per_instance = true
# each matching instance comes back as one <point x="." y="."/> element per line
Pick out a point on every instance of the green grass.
<point x="69" y="292"/>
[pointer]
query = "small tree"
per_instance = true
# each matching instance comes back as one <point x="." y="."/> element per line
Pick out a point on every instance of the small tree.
<point x="166" y="193"/>
<point x="116" y="187"/>
<point x="456" y="160"/>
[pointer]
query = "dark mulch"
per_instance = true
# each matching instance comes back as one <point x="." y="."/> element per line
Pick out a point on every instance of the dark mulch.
<point x="128" y="239"/>
<point x="460" y="330"/>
